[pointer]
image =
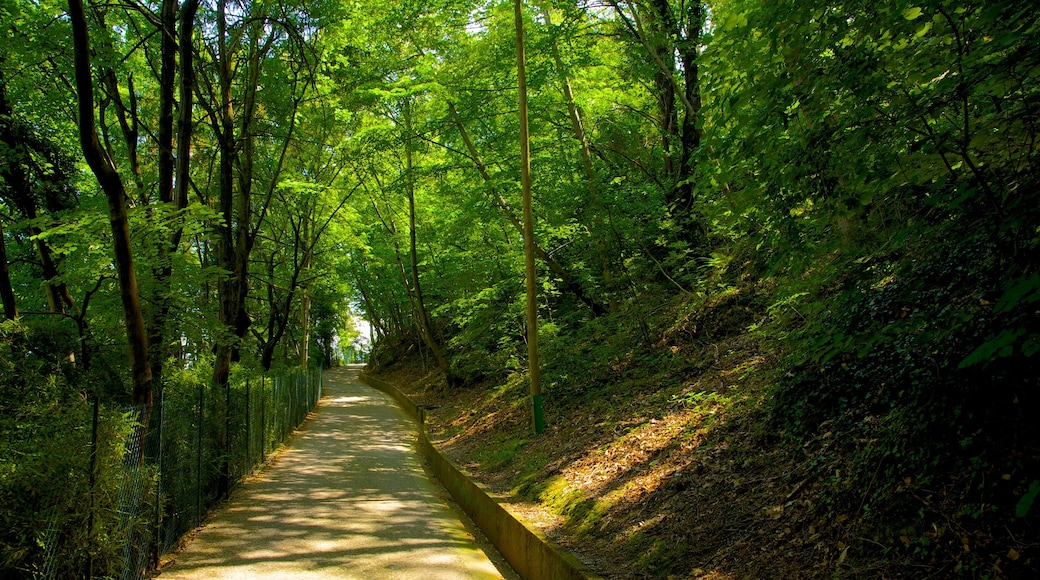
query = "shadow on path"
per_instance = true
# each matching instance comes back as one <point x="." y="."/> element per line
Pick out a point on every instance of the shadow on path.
<point x="347" y="499"/>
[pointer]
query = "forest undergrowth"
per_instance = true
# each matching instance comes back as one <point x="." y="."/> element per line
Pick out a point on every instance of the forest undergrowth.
<point x="673" y="458"/>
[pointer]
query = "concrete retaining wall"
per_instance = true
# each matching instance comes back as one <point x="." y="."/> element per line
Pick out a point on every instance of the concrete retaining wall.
<point x="525" y="549"/>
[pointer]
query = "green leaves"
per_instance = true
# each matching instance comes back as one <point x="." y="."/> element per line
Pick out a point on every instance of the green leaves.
<point x="733" y="21"/>
<point x="912" y="13"/>
<point x="999" y="346"/>
<point x="1022" y="291"/>
<point x="1026" y="503"/>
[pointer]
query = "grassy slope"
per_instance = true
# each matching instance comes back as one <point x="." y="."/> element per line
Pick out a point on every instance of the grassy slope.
<point x="661" y="459"/>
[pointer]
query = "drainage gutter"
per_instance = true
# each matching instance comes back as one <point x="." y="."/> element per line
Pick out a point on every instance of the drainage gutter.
<point x="526" y="550"/>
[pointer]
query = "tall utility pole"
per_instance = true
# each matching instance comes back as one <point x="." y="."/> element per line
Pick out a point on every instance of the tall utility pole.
<point x="534" y="367"/>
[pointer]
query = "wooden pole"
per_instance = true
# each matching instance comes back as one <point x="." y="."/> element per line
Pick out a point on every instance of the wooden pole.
<point x="534" y="367"/>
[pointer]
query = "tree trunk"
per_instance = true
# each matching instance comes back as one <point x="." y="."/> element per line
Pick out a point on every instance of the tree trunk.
<point x="662" y="37"/>
<point x="422" y="318"/>
<point x="6" y="290"/>
<point x="236" y="231"/>
<point x="12" y="171"/>
<point x="569" y="283"/>
<point x="185" y="124"/>
<point x="374" y="320"/>
<point x="169" y="166"/>
<point x="533" y="365"/>
<point x="585" y="150"/>
<point x="305" y="293"/>
<point x="689" y="52"/>
<point x="167" y="88"/>
<point x="102" y="167"/>
<point x="227" y="287"/>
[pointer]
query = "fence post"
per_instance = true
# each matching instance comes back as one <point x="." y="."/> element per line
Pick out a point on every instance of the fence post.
<point x="249" y="432"/>
<point x="225" y="467"/>
<point x="93" y="481"/>
<point x="198" y="459"/>
<point x="157" y="544"/>
<point x="263" y="420"/>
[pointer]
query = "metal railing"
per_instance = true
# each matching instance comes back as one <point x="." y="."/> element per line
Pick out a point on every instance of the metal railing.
<point x="201" y="441"/>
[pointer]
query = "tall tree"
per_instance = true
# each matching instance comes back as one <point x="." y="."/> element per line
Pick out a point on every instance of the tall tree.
<point x="242" y="50"/>
<point x="422" y="317"/>
<point x="533" y="365"/>
<point x="173" y="170"/>
<point x="20" y="143"/>
<point x="585" y="150"/>
<point x="111" y="183"/>
<point x="7" y="297"/>
<point x="666" y="35"/>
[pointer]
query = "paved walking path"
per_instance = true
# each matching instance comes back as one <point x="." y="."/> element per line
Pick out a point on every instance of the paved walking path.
<point x="347" y="499"/>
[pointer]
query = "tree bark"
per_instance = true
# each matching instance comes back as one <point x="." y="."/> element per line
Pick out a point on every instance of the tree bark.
<point x="534" y="369"/>
<point x="236" y="232"/>
<point x="185" y="124"/>
<point x="569" y="283"/>
<point x="689" y="52"/>
<point x="234" y="211"/>
<point x="172" y="191"/>
<point x="585" y="149"/>
<point x="105" y="172"/>
<point x="6" y="290"/>
<point x="422" y="318"/>
<point x="13" y="173"/>
<point x="305" y="292"/>
<point x="228" y="294"/>
<point x="167" y="89"/>
<point x="663" y="37"/>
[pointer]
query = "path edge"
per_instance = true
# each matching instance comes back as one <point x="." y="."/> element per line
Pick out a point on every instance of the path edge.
<point x="526" y="550"/>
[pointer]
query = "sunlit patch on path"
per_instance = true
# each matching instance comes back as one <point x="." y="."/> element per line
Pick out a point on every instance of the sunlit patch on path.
<point x="348" y="499"/>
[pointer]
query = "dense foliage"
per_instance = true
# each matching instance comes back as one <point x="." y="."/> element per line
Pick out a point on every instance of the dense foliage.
<point x="856" y="183"/>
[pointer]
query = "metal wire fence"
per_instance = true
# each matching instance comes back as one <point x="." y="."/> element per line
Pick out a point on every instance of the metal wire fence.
<point x="201" y="441"/>
<point x="200" y="445"/>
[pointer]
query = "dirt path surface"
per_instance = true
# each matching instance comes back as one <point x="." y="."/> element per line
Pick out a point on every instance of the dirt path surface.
<point x="347" y="499"/>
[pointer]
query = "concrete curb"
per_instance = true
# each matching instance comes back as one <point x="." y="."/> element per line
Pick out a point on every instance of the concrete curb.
<point x="526" y="550"/>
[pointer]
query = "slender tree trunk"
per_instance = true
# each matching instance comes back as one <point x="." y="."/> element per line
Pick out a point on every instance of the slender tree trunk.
<point x="662" y="37"/>
<point x="126" y="111"/>
<point x="422" y="318"/>
<point x="374" y="320"/>
<point x="12" y="171"/>
<point x="102" y="167"/>
<point x="657" y="39"/>
<point x="391" y="227"/>
<point x="569" y="283"/>
<point x="236" y="231"/>
<point x="167" y="89"/>
<point x="585" y="149"/>
<point x="163" y="269"/>
<point x="533" y="365"/>
<point x="169" y="165"/>
<point x="6" y="290"/>
<point x="227" y="287"/>
<point x="689" y="53"/>
<point x="305" y="293"/>
<point x="278" y="320"/>
<point x="185" y="123"/>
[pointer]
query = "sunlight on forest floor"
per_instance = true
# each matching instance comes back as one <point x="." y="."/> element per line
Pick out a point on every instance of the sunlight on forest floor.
<point x="347" y="498"/>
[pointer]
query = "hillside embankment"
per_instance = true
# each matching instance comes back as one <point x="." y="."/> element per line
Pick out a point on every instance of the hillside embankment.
<point x="668" y="460"/>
